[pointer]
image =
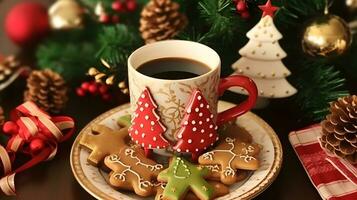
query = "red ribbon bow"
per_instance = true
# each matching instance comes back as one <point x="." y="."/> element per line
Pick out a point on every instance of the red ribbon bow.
<point x="34" y="132"/>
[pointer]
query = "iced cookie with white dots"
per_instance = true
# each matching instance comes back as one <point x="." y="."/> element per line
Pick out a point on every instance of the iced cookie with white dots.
<point x="198" y="131"/>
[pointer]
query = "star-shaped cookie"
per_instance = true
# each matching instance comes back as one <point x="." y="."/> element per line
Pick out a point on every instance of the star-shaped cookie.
<point x="181" y="177"/>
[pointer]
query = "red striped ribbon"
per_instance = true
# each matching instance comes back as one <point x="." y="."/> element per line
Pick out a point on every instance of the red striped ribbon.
<point x="32" y="124"/>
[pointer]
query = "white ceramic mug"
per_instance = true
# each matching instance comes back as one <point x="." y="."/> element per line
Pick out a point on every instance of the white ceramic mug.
<point x="171" y="96"/>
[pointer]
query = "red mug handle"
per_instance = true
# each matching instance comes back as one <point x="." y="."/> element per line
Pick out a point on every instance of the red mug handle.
<point x="240" y="81"/>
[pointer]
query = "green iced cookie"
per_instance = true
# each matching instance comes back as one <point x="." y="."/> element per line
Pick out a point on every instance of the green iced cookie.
<point x="124" y="121"/>
<point x="182" y="176"/>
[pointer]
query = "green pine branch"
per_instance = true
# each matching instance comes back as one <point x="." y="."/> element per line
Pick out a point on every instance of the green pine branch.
<point x="117" y="42"/>
<point x="69" y="53"/>
<point x="318" y="84"/>
<point x="220" y="19"/>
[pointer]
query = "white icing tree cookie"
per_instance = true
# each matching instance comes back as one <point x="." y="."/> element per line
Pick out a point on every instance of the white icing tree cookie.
<point x="261" y="59"/>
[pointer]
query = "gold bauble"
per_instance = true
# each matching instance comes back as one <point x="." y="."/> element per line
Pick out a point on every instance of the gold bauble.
<point x="351" y="5"/>
<point x="66" y="14"/>
<point x="326" y="35"/>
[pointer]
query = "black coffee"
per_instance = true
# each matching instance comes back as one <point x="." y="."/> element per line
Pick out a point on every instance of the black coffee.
<point x="173" y="68"/>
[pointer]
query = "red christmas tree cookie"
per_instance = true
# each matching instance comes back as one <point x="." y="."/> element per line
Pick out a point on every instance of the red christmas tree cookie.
<point x="198" y="130"/>
<point x="146" y="128"/>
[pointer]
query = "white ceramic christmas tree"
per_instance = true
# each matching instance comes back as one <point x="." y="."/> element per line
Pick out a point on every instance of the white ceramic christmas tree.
<point x="261" y="58"/>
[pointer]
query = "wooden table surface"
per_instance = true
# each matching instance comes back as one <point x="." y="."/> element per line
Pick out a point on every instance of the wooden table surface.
<point x="54" y="180"/>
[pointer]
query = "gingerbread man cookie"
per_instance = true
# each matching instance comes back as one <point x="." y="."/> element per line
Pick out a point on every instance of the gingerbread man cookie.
<point x="232" y="154"/>
<point x="219" y="190"/>
<point x="181" y="177"/>
<point x="131" y="170"/>
<point x="103" y="141"/>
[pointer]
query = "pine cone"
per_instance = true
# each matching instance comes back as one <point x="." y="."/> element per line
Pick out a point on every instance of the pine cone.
<point x="7" y="67"/>
<point x="161" y="20"/>
<point x="47" y="89"/>
<point x="339" y="130"/>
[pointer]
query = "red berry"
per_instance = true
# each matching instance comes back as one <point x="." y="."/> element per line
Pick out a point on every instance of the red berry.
<point x="36" y="144"/>
<point x="115" y="19"/>
<point x="241" y="6"/>
<point x="131" y="5"/>
<point x="245" y="15"/>
<point x="117" y="6"/>
<point x="80" y="92"/>
<point x="107" y="97"/>
<point x="103" y="89"/>
<point x="93" y="88"/>
<point x="85" y="85"/>
<point x="104" y="18"/>
<point x="10" y="128"/>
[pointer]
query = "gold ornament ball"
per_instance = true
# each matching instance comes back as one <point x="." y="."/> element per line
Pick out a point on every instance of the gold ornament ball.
<point x="326" y="35"/>
<point x="351" y="5"/>
<point x="66" y="14"/>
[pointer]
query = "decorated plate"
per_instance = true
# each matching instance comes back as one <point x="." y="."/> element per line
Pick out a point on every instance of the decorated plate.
<point x="94" y="180"/>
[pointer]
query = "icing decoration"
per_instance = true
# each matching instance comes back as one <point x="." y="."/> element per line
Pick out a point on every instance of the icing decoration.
<point x="215" y="173"/>
<point x="182" y="176"/>
<point x="198" y="131"/>
<point x="231" y="155"/>
<point x="146" y="129"/>
<point x="132" y="170"/>
<point x="103" y="142"/>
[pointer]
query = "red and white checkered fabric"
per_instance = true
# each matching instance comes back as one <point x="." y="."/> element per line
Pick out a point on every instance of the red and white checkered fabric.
<point x="335" y="179"/>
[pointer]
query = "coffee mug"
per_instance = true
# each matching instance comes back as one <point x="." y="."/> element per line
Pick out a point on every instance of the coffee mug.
<point x="172" y="96"/>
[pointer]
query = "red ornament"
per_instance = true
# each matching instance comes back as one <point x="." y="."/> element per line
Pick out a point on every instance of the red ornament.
<point x="245" y="15"/>
<point x="10" y="128"/>
<point x="93" y="88"/>
<point x="26" y="23"/>
<point x="80" y="92"/>
<point x="85" y="85"/>
<point x="146" y="128"/>
<point x="115" y="19"/>
<point x="198" y="129"/>
<point x="241" y="6"/>
<point x="131" y="5"/>
<point x="268" y="9"/>
<point x="103" y="89"/>
<point x="36" y="145"/>
<point x="117" y="6"/>
<point x="104" y="18"/>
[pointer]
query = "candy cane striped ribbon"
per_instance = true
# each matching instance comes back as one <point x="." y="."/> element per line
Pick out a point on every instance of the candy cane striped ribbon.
<point x="33" y="123"/>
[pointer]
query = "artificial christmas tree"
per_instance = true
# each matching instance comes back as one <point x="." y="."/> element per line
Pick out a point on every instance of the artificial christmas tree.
<point x="198" y="131"/>
<point x="146" y="128"/>
<point x="261" y="58"/>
